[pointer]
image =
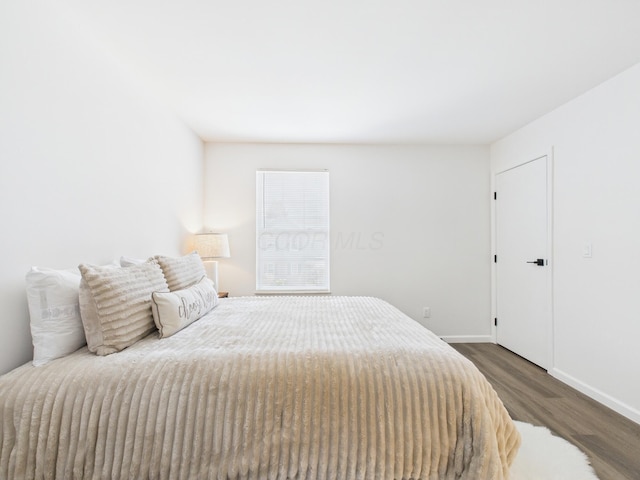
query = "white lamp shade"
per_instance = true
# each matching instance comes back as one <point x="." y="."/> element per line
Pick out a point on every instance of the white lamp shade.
<point x="212" y="245"/>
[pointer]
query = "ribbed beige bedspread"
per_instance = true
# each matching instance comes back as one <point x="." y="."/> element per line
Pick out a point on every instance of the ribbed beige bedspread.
<point x="262" y="388"/>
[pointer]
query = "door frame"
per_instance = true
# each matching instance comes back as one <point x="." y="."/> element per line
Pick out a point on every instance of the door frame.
<point x="548" y="254"/>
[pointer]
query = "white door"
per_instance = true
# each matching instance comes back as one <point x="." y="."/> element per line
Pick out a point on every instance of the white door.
<point x="521" y="262"/>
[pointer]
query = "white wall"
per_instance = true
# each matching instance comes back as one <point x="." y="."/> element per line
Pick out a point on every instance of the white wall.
<point x="408" y="224"/>
<point x="90" y="167"/>
<point x="596" y="144"/>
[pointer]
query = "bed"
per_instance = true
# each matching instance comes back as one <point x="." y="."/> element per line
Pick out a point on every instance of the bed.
<point x="264" y="388"/>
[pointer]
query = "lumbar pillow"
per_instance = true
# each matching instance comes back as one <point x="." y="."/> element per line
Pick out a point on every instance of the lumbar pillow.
<point x="182" y="272"/>
<point x="56" y="326"/>
<point x="115" y="304"/>
<point x="175" y="310"/>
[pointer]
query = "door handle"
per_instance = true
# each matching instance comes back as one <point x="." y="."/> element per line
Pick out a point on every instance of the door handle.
<point x="539" y="262"/>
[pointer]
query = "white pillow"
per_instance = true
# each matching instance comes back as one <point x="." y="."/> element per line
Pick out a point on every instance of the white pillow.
<point x="172" y="311"/>
<point x="115" y="304"/>
<point x="128" y="261"/>
<point x="56" y="326"/>
<point x="182" y="272"/>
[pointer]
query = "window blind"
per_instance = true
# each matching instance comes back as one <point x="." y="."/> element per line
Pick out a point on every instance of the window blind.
<point x="292" y="231"/>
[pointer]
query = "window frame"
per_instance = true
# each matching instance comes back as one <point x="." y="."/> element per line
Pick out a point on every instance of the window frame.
<point x="265" y="288"/>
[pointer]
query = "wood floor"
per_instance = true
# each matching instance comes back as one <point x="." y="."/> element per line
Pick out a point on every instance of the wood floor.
<point x="611" y="441"/>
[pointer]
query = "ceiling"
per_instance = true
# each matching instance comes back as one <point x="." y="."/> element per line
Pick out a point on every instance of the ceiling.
<point x="365" y="71"/>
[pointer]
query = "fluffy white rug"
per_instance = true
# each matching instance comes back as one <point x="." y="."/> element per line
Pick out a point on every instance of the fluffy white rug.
<point x="543" y="456"/>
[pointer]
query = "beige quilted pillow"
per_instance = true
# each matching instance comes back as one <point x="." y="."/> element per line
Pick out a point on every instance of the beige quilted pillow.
<point x="182" y="272"/>
<point x="115" y="304"/>
<point x="173" y="311"/>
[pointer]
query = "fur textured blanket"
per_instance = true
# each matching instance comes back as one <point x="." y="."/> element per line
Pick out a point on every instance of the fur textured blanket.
<point x="264" y="388"/>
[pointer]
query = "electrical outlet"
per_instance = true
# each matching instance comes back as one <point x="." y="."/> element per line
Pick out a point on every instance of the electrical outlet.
<point x="426" y="312"/>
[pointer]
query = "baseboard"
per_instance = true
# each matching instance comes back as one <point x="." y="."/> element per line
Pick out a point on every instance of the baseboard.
<point x="468" y="338"/>
<point x="599" y="396"/>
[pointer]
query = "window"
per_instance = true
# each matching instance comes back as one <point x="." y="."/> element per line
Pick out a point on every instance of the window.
<point x="292" y="231"/>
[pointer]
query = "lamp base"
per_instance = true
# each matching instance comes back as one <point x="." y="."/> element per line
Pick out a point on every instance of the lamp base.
<point x="211" y="268"/>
